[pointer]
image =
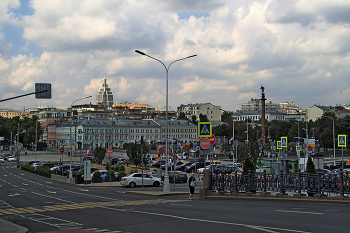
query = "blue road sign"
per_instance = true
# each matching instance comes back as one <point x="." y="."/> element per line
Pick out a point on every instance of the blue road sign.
<point x="204" y="129"/>
<point x="298" y="148"/>
<point x="279" y="145"/>
<point x="298" y="143"/>
<point x="284" y="141"/>
<point x="341" y="140"/>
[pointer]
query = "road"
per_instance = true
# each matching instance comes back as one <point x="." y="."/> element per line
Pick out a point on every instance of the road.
<point x="42" y="205"/>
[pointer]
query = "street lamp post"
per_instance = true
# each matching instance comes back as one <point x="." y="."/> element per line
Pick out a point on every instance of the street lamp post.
<point x="333" y="139"/>
<point x="70" y="136"/>
<point x="166" y="187"/>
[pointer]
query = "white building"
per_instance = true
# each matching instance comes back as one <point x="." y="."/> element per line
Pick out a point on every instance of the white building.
<point x="211" y="111"/>
<point x="104" y="97"/>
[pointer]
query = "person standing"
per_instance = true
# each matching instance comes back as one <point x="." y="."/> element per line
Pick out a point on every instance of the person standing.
<point x="191" y="184"/>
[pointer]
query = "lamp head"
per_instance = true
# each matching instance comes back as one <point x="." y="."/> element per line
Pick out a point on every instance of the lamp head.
<point x="138" y="51"/>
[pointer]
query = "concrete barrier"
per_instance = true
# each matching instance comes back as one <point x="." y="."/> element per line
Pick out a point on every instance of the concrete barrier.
<point x="59" y="178"/>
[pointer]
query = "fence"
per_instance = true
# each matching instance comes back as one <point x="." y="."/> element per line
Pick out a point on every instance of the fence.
<point x="318" y="183"/>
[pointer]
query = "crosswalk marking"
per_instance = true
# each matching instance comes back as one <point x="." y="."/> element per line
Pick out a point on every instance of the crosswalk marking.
<point x="65" y="207"/>
<point x="26" y="210"/>
<point x="74" y="206"/>
<point x="86" y="206"/>
<point x="7" y="212"/>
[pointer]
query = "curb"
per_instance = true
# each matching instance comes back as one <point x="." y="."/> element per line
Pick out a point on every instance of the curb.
<point x="155" y="193"/>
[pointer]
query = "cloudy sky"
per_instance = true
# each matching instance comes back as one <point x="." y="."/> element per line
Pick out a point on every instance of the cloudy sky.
<point x="297" y="49"/>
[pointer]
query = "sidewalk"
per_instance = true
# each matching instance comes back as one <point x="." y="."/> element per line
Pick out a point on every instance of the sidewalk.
<point x="9" y="227"/>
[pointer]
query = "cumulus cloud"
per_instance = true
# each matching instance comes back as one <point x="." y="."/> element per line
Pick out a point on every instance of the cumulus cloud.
<point x="296" y="49"/>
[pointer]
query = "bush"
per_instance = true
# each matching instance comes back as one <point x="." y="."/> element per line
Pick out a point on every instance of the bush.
<point x="108" y="164"/>
<point x="29" y="167"/>
<point x="110" y="173"/>
<point x="310" y="166"/>
<point x="121" y="174"/>
<point x="79" y="174"/>
<point x="133" y="171"/>
<point x="97" y="174"/>
<point x="248" y="165"/>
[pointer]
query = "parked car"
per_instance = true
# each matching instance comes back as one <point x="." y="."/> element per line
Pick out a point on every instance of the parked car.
<point x="10" y="158"/>
<point x="200" y="170"/>
<point x="183" y="166"/>
<point x="114" y="161"/>
<point x="1" y="160"/>
<point x="179" y="177"/>
<point x="135" y="179"/>
<point x="193" y="167"/>
<point x="123" y="160"/>
<point x="6" y="156"/>
<point x="103" y="174"/>
<point x="36" y="164"/>
<point x="226" y="169"/>
<point x="158" y="163"/>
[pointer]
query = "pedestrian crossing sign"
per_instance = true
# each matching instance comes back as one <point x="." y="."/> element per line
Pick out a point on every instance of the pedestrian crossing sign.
<point x="341" y="140"/>
<point x="204" y="129"/>
<point x="279" y="145"/>
<point x="284" y="141"/>
<point x="298" y="148"/>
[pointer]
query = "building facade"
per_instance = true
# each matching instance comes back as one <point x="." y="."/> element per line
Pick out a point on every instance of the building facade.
<point x="104" y="97"/>
<point x="90" y="132"/>
<point x="211" y="111"/>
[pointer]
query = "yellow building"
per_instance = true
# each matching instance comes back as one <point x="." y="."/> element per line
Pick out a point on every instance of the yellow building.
<point x="9" y="113"/>
<point x="142" y="107"/>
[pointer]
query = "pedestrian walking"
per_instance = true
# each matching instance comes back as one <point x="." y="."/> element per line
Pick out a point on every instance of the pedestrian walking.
<point x="191" y="184"/>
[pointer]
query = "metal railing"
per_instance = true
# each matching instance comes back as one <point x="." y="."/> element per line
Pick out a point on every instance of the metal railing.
<point x="318" y="183"/>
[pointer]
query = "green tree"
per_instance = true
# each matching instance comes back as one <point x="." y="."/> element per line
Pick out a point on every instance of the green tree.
<point x="194" y="120"/>
<point x="226" y="116"/>
<point x="182" y="115"/>
<point x="203" y="118"/>
<point x="310" y="166"/>
<point x="222" y="130"/>
<point x="99" y="154"/>
<point x="133" y="151"/>
<point x="248" y="165"/>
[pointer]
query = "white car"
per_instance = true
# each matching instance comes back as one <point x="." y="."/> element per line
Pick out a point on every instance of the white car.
<point x="10" y="158"/>
<point x="135" y="179"/>
<point x="200" y="170"/>
<point x="1" y="160"/>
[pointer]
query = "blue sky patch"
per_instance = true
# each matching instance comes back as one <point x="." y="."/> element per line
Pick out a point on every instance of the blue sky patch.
<point x="24" y="9"/>
<point x="197" y="14"/>
<point x="14" y="36"/>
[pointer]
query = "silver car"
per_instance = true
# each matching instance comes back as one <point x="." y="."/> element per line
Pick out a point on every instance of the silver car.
<point x="135" y="179"/>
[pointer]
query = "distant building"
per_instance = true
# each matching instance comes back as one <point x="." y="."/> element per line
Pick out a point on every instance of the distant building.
<point x="316" y="112"/>
<point x="127" y="105"/>
<point x="211" y="111"/>
<point x="256" y="115"/>
<point x="104" y="97"/>
<point x="286" y="107"/>
<point x="10" y="113"/>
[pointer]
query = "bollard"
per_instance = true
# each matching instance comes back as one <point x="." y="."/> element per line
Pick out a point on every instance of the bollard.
<point x="249" y="177"/>
<point x="281" y="182"/>
<point x="236" y="182"/>
<point x="265" y="182"/>
<point x="299" y="182"/>
<point x="341" y="183"/>
<point x="318" y="181"/>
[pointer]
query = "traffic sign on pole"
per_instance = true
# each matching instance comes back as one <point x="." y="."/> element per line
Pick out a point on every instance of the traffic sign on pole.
<point x="205" y="143"/>
<point x="62" y="150"/>
<point x="341" y="140"/>
<point x="284" y="141"/>
<point x="279" y="145"/>
<point x="204" y="129"/>
<point x="212" y="139"/>
<point x="109" y="151"/>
